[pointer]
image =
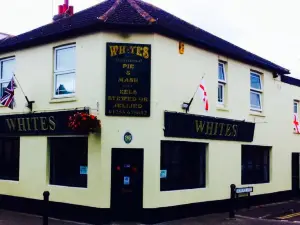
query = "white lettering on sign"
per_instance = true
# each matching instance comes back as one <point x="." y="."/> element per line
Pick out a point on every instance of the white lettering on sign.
<point x="244" y="190"/>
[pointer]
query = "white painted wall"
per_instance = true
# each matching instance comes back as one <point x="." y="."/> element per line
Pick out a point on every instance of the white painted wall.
<point x="174" y="79"/>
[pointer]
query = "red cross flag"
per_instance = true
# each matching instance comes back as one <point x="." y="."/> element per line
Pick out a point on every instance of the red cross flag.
<point x="296" y="123"/>
<point x="203" y="92"/>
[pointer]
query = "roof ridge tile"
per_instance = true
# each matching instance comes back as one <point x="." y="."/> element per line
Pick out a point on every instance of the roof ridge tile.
<point x="141" y="11"/>
<point x="110" y="11"/>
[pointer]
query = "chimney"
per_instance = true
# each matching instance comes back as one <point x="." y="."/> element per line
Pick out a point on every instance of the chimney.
<point x="64" y="11"/>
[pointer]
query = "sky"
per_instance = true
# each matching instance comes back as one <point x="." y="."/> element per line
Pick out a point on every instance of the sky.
<point x="268" y="28"/>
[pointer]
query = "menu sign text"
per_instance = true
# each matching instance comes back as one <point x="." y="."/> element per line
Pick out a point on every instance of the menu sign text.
<point x="128" y="79"/>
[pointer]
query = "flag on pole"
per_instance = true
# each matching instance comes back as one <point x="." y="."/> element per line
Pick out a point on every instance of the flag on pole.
<point x="8" y="97"/>
<point x="296" y="123"/>
<point x="203" y="93"/>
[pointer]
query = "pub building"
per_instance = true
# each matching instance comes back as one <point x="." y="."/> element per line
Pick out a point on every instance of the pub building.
<point x="109" y="118"/>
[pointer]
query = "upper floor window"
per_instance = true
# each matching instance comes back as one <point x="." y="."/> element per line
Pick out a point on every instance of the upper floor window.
<point x="221" y="83"/>
<point x="296" y="117"/>
<point x="7" y="67"/>
<point x="296" y="107"/>
<point x="256" y="91"/>
<point x="64" y="71"/>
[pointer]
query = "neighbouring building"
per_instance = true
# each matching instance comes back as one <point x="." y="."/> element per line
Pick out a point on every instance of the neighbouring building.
<point x="156" y="157"/>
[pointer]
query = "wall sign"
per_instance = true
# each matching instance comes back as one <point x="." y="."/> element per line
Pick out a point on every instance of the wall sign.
<point x="205" y="127"/>
<point x="128" y="78"/>
<point x="244" y="190"/>
<point x="46" y="123"/>
<point x="127" y="137"/>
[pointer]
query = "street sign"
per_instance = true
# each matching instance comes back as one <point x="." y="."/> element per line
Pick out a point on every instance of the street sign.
<point x="244" y="190"/>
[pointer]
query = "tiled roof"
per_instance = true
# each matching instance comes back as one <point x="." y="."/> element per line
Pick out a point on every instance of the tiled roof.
<point x="134" y="16"/>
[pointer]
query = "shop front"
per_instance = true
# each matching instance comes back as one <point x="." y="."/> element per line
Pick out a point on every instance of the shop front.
<point x="44" y="151"/>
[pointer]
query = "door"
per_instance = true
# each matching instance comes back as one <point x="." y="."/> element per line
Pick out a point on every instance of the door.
<point x="295" y="173"/>
<point x="127" y="184"/>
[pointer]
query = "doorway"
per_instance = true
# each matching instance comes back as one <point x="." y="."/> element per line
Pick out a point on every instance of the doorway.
<point x="127" y="183"/>
<point x="295" y="174"/>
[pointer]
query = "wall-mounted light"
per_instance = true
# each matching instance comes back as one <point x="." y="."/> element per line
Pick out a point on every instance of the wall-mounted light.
<point x="181" y="47"/>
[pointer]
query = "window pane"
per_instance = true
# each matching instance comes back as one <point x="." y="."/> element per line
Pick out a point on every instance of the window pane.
<point x="8" y="68"/>
<point x="255" y="100"/>
<point x="295" y="107"/>
<point x="3" y="87"/>
<point x="255" y="164"/>
<point x="184" y="163"/>
<point x="65" y="59"/>
<point x="67" y="156"/>
<point x="255" y="81"/>
<point x="65" y="84"/>
<point x="220" y="93"/>
<point x="221" y="72"/>
<point x="9" y="158"/>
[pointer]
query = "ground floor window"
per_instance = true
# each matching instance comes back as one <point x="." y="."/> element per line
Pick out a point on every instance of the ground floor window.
<point x="68" y="161"/>
<point x="255" y="164"/>
<point x="9" y="158"/>
<point x="182" y="165"/>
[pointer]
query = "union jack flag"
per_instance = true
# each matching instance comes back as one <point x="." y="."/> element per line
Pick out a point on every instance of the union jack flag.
<point x="8" y="97"/>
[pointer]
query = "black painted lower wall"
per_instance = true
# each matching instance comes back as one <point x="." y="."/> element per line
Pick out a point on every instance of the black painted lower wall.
<point x="147" y="216"/>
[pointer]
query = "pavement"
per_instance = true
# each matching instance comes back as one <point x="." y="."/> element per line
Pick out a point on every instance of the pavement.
<point x="13" y="218"/>
<point x="278" y="213"/>
<point x="282" y="211"/>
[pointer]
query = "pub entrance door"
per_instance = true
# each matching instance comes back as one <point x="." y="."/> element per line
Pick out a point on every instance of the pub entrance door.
<point x="127" y="184"/>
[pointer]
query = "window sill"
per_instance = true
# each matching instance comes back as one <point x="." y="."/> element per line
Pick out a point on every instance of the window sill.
<point x="9" y="181"/>
<point x="65" y="186"/>
<point x="62" y="100"/>
<point x="222" y="108"/>
<point x="256" y="113"/>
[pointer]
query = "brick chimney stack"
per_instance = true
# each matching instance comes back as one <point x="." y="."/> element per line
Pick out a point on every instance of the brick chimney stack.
<point x="64" y="11"/>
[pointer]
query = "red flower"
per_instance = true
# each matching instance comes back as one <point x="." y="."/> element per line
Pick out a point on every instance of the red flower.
<point x="84" y="122"/>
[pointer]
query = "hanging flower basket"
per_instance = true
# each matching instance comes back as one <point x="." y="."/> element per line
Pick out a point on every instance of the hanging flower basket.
<point x="84" y="122"/>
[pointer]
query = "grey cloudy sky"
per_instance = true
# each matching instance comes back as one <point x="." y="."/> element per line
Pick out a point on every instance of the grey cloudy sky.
<point x="269" y="28"/>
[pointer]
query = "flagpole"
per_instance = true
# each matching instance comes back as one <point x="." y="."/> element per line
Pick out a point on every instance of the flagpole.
<point x="189" y="104"/>
<point x="29" y="103"/>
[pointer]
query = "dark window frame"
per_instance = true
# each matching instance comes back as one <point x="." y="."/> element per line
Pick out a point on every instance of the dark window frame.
<point x="10" y="170"/>
<point x="187" y="155"/>
<point x="255" y="164"/>
<point x="64" y="167"/>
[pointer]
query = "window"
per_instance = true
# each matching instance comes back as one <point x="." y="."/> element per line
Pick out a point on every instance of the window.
<point x="221" y="83"/>
<point x="68" y="161"/>
<point x="296" y="117"/>
<point x="7" y="68"/>
<point x="9" y="158"/>
<point x="64" y="71"/>
<point x="255" y="164"/>
<point x="184" y="165"/>
<point x="255" y="92"/>
<point x="296" y="107"/>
